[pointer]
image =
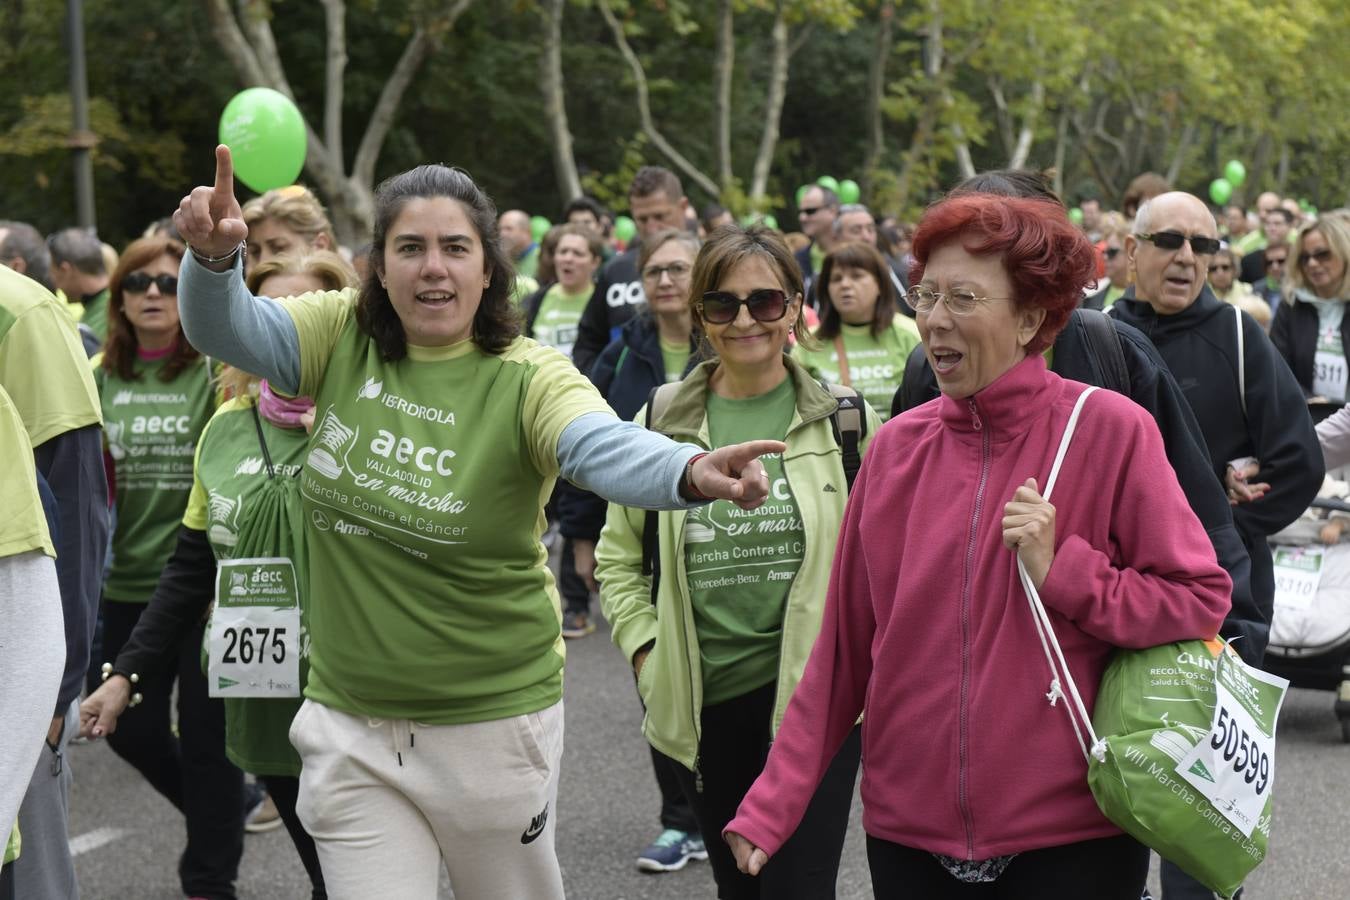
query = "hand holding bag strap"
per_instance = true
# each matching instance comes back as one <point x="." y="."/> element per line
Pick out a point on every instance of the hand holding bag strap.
<point x="1054" y="655"/>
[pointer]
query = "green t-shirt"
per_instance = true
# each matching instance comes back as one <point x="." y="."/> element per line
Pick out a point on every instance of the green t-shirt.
<point x="43" y="366"/>
<point x="424" y="487"/>
<point x="559" y="314"/>
<point x="151" y="429"/>
<point x="1113" y="293"/>
<point x="674" y="357"/>
<point x="229" y="473"/>
<point x="741" y="563"/>
<point x="23" y="527"/>
<point x="95" y="314"/>
<point x="529" y="263"/>
<point x="876" y="365"/>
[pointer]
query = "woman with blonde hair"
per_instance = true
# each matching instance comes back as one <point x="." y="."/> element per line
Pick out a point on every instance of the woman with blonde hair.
<point x="255" y="425"/>
<point x="1310" y="327"/>
<point x="286" y="220"/>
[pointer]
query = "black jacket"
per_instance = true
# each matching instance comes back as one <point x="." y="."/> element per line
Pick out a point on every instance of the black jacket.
<point x="618" y="295"/>
<point x="624" y="373"/>
<point x="1199" y="345"/>
<point x="1153" y="388"/>
<point x="1294" y="334"/>
<point x="179" y="604"/>
<point x="1253" y="267"/>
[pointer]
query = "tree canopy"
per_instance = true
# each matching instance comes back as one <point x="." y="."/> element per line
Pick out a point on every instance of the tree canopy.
<point x="744" y="99"/>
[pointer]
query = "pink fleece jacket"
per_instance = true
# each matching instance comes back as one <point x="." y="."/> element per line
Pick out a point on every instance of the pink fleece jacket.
<point x="927" y="628"/>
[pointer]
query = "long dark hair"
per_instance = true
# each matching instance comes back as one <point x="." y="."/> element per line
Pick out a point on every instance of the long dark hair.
<point x="119" y="354"/>
<point x="855" y="255"/>
<point x="497" y="322"/>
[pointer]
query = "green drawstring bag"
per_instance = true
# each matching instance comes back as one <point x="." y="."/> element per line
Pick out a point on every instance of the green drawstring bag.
<point x="1185" y="761"/>
<point x="1188" y="735"/>
<point x="271" y="528"/>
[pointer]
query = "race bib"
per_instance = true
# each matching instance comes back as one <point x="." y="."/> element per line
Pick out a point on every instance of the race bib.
<point x="1329" y="375"/>
<point x="253" y="645"/>
<point x="1234" y="765"/>
<point x="1298" y="573"/>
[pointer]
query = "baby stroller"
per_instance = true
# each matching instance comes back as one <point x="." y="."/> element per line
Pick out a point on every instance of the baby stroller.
<point x="1310" y="633"/>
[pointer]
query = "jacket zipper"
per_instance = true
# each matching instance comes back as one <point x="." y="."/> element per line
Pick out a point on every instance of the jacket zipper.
<point x="972" y="539"/>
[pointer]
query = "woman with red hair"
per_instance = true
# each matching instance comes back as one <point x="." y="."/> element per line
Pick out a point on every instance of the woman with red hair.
<point x="973" y="785"/>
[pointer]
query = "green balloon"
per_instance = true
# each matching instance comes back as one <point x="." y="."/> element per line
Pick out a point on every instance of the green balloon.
<point x="1076" y="216"/>
<point x="539" y="227"/>
<point x="625" y="229"/>
<point x="849" y="192"/>
<point x="828" y="183"/>
<point x="1235" y="172"/>
<point x="771" y="222"/>
<point x="801" y="192"/>
<point x="1220" y="189"/>
<point x="266" y="136"/>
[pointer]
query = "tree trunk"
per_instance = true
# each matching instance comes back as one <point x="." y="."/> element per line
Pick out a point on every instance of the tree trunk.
<point x="1061" y="143"/>
<point x="876" y="89"/>
<point x="1028" y="131"/>
<point x="723" y="67"/>
<point x="555" y="109"/>
<point x="1179" y="155"/>
<point x="928" y="118"/>
<point x="1282" y="174"/>
<point x="773" y="108"/>
<point x="644" y="105"/>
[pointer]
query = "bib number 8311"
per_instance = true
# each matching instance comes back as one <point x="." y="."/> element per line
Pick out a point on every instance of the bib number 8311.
<point x="1238" y="747"/>
<point x="239" y="646"/>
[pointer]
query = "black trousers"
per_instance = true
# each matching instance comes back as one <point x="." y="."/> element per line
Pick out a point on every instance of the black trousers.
<point x="191" y="771"/>
<point x="284" y="789"/>
<point x="1113" y="868"/>
<point x="733" y="751"/>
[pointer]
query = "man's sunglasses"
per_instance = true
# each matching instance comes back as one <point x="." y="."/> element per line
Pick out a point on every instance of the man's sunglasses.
<point x="1276" y="260"/>
<point x="1222" y="267"/>
<point x="722" y="307"/>
<point x="1111" y="252"/>
<point x="810" y="210"/>
<point x="1170" y="240"/>
<point x="1322" y="256"/>
<point x="139" y="283"/>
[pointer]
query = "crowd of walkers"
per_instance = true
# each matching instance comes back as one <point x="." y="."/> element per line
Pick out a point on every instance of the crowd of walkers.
<point x="799" y="472"/>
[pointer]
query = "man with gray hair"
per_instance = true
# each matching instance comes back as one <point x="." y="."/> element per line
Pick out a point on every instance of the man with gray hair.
<point x="23" y="250"/>
<point x="79" y="272"/>
<point x="855" y="223"/>
<point x="816" y="214"/>
<point x="1250" y="409"/>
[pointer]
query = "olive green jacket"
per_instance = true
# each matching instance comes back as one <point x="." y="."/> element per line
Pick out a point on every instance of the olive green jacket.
<point x="671" y="683"/>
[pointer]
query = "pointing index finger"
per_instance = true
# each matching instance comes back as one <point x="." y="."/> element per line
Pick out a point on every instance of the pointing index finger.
<point x="224" y="171"/>
<point x="755" y="449"/>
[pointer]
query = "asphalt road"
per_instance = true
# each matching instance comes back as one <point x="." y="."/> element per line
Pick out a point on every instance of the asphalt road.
<point x="128" y="839"/>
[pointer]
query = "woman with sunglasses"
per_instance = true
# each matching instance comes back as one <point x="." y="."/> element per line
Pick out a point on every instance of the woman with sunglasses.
<point x="739" y="596"/>
<point x="863" y="343"/>
<point x="1311" y="330"/>
<point x="1223" y="281"/>
<point x="1114" y="231"/>
<point x="973" y="786"/>
<point x="653" y="348"/>
<point x="157" y="397"/>
<point x="230" y="476"/>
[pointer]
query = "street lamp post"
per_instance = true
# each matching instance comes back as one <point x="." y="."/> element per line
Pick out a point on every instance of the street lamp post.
<point x="82" y="140"/>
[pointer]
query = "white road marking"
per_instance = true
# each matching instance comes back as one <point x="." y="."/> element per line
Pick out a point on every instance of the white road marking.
<point x="92" y="840"/>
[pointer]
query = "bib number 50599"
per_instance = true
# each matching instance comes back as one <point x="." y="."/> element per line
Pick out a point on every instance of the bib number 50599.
<point x="1239" y="749"/>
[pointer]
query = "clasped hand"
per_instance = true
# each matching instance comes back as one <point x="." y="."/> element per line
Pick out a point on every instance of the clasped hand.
<point x="1029" y="528"/>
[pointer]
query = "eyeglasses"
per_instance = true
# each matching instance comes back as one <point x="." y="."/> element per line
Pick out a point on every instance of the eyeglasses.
<point x="958" y="302"/>
<point x="1322" y="257"/>
<point x="809" y="210"/>
<point x="1111" y="252"/>
<point x="677" y="271"/>
<point x="1223" y="267"/>
<point x="1170" y="240"/>
<point x="139" y="283"/>
<point x="1276" y="261"/>
<point x="722" y="307"/>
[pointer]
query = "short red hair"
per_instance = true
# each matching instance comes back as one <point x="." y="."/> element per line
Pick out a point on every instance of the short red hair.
<point x="1046" y="256"/>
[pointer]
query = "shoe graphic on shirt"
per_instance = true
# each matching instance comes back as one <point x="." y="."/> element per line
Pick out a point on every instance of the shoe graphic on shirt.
<point x="536" y="827"/>
<point x="333" y="438"/>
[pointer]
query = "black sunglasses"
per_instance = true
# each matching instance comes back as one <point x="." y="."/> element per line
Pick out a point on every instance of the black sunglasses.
<point x="1170" y="240"/>
<point x="1323" y="256"/>
<point x="1111" y="252"/>
<point x="1221" y="267"/>
<point x="722" y="308"/>
<point x="139" y="283"/>
<point x="810" y="210"/>
<point x="1276" y="261"/>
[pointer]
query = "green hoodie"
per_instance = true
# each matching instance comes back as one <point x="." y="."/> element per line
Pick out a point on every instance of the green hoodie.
<point x="671" y="683"/>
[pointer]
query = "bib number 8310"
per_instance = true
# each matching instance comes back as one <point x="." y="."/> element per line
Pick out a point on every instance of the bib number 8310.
<point x="240" y="647"/>
<point x="1238" y="748"/>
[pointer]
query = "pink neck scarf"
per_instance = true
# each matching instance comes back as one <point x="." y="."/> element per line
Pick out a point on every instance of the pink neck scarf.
<point x="282" y="411"/>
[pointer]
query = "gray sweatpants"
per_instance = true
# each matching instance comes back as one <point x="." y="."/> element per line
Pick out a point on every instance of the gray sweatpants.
<point x="385" y="800"/>
<point x="45" y="869"/>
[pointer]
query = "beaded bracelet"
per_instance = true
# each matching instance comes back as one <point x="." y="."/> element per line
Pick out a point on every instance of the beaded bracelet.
<point x="132" y="677"/>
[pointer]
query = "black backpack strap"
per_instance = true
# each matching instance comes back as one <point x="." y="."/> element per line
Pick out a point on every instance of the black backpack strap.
<point x="657" y="403"/>
<point x="849" y="426"/>
<point x="1105" y="344"/>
